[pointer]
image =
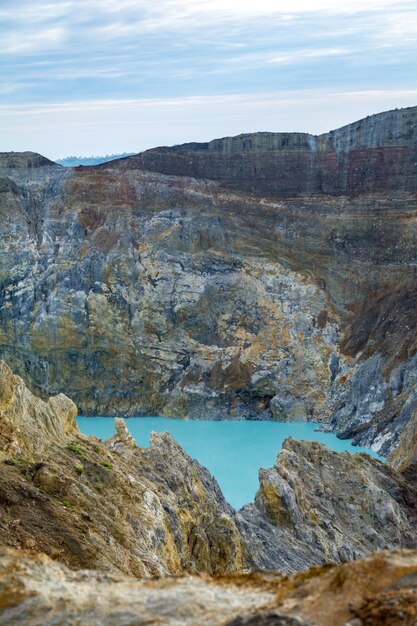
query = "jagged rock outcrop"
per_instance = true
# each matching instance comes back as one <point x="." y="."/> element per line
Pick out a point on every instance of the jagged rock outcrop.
<point x="28" y="424"/>
<point x="272" y="285"/>
<point x="91" y="504"/>
<point x="122" y="442"/>
<point x="317" y="506"/>
<point x="378" y="591"/>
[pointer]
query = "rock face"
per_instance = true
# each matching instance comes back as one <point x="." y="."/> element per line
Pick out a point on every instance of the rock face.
<point x="404" y="457"/>
<point x="379" y="591"/>
<point x="279" y="282"/>
<point x="34" y="590"/>
<point x="115" y="507"/>
<point x="373" y="154"/>
<point x="28" y="424"/>
<point x="317" y="506"/>
<point x="142" y="294"/>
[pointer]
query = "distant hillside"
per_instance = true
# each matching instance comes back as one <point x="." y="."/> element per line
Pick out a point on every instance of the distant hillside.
<point x="73" y="161"/>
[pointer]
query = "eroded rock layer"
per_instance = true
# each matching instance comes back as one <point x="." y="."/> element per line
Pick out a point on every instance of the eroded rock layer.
<point x="373" y="154"/>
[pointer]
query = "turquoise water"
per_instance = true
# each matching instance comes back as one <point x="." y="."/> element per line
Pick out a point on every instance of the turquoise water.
<point x="233" y="451"/>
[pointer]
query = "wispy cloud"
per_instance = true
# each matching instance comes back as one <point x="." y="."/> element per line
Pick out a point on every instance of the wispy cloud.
<point x="37" y="11"/>
<point x="30" y="41"/>
<point x="123" y="57"/>
<point x="242" y="100"/>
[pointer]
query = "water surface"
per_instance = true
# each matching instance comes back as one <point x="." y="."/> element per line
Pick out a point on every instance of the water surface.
<point x="232" y="450"/>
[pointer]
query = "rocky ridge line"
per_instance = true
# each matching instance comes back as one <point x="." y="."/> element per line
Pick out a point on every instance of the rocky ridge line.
<point x="373" y="154"/>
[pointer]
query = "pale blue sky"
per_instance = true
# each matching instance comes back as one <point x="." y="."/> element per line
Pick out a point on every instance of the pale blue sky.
<point x="102" y="76"/>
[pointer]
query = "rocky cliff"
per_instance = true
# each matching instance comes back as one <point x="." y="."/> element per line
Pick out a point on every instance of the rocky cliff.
<point x="378" y="153"/>
<point x="152" y="512"/>
<point x="263" y="276"/>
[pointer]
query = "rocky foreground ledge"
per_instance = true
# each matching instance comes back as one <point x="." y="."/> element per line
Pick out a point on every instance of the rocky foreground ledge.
<point x="378" y="591"/>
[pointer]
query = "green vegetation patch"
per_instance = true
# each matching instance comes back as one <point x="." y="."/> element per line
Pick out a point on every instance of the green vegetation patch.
<point x="22" y="461"/>
<point x="106" y="464"/>
<point x="74" y="448"/>
<point x="69" y="505"/>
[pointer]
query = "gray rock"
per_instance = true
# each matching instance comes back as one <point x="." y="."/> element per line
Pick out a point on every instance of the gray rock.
<point x="316" y="506"/>
<point x="288" y="409"/>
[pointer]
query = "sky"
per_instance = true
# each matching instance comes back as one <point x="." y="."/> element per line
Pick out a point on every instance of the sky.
<point x="83" y="77"/>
